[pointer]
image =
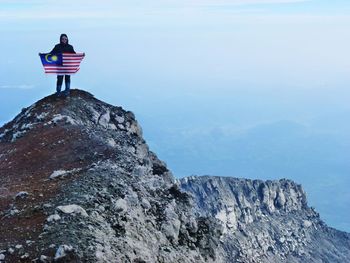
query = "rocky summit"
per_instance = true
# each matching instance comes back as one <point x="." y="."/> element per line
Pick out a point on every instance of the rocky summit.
<point x="78" y="183"/>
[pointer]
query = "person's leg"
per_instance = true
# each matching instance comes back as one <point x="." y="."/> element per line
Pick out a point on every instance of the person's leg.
<point x="59" y="84"/>
<point x="67" y="82"/>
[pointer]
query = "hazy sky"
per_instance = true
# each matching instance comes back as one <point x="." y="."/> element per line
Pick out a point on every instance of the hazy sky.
<point x="267" y="60"/>
<point x="193" y="71"/>
<point x="178" y="49"/>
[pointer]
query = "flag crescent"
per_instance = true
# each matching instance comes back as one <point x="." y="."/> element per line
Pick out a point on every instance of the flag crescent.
<point x="46" y="58"/>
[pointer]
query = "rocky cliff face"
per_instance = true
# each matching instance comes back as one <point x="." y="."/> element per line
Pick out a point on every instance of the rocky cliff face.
<point x="266" y="221"/>
<point x="79" y="184"/>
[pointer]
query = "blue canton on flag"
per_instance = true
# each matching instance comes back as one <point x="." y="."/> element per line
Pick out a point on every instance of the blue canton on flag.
<point x="51" y="59"/>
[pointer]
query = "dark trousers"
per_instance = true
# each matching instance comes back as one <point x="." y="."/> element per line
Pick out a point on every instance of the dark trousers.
<point x="60" y="81"/>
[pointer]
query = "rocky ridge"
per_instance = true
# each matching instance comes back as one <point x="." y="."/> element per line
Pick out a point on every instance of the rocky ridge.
<point x="266" y="221"/>
<point x="79" y="184"/>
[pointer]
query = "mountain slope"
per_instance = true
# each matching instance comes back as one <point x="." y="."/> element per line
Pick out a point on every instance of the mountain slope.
<point x="79" y="184"/>
<point x="88" y="189"/>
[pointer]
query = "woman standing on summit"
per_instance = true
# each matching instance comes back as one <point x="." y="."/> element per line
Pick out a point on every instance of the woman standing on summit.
<point x="63" y="47"/>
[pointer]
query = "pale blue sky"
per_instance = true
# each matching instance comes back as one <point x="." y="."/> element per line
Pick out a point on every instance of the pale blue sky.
<point x="248" y="88"/>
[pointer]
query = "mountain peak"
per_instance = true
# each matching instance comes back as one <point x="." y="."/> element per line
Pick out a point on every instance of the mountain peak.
<point x="79" y="109"/>
<point x="78" y="183"/>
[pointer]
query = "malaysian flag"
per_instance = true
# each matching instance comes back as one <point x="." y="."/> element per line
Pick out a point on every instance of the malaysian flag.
<point x="61" y="64"/>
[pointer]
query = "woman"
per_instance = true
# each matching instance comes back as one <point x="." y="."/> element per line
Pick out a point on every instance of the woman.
<point x="63" y="47"/>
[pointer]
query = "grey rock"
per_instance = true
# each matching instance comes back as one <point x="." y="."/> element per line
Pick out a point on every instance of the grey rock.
<point x="21" y="195"/>
<point x="18" y="246"/>
<point x="25" y="256"/>
<point x="52" y="218"/>
<point x="72" y="209"/>
<point x="63" y="251"/>
<point x="44" y="259"/>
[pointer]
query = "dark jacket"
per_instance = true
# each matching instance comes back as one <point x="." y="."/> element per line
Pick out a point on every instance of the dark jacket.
<point x="62" y="48"/>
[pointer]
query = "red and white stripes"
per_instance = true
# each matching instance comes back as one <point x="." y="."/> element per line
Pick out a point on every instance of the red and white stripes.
<point x="70" y="64"/>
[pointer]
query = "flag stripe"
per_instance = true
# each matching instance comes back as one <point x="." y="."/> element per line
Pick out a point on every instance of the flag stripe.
<point x="62" y="72"/>
<point x="57" y="69"/>
<point x="60" y="68"/>
<point x="71" y="59"/>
